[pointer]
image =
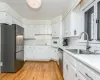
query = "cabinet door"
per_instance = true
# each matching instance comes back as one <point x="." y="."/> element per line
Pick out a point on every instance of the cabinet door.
<point x="53" y="30"/>
<point x="56" y="29"/>
<point x="49" y="30"/>
<point x="67" y="25"/>
<point x="80" y="77"/>
<point x="8" y="19"/>
<point x="41" y="29"/>
<point x="72" y="72"/>
<point x="66" y="69"/>
<point x="69" y="71"/>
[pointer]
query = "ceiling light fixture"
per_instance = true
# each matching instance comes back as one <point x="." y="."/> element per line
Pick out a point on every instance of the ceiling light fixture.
<point x="34" y="3"/>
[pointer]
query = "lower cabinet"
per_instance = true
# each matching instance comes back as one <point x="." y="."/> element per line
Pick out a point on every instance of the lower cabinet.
<point x="65" y="70"/>
<point x="74" y="69"/>
<point x="72" y="72"/>
<point x="69" y="71"/>
<point x="80" y="77"/>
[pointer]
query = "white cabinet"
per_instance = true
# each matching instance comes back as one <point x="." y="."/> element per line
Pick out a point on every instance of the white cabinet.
<point x="72" y="72"/>
<point x="8" y="19"/>
<point x="67" y="25"/>
<point x="31" y="30"/>
<point x="79" y="72"/>
<point x="65" y="70"/>
<point x="5" y="18"/>
<point x="48" y="29"/>
<point x="56" y="29"/>
<point x="40" y="53"/>
<point x="15" y="21"/>
<point x="73" y="23"/>
<point x="68" y="69"/>
<point x="43" y="29"/>
<point x="80" y="76"/>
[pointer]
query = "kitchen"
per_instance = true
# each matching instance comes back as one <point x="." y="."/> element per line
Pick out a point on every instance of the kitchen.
<point x="49" y="40"/>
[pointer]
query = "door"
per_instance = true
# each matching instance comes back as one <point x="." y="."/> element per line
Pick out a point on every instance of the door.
<point x="7" y="48"/>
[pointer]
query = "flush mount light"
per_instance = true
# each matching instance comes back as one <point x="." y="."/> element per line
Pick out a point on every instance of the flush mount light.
<point x="34" y="3"/>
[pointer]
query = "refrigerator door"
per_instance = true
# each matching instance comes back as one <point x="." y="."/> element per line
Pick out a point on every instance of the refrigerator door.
<point x="19" y="38"/>
<point x="19" y="60"/>
<point x="7" y="48"/>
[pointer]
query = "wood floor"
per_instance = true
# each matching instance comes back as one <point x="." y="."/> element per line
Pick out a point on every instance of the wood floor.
<point x="35" y="71"/>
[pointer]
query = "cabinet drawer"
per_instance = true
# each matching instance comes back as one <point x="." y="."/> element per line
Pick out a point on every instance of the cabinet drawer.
<point x="70" y="59"/>
<point x="87" y="72"/>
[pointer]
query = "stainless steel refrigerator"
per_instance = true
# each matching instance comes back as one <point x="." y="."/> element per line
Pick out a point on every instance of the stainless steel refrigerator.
<point x="12" y="47"/>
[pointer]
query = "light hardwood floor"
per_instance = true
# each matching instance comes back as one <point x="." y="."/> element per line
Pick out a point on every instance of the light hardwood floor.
<point x="35" y="71"/>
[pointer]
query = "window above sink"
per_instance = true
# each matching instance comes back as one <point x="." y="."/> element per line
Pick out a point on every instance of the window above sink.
<point x="92" y="21"/>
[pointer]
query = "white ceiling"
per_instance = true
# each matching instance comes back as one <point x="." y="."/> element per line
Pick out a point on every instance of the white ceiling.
<point x="48" y="10"/>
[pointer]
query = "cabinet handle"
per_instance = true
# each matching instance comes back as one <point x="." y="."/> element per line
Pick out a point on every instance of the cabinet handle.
<point x="67" y="66"/>
<point x="76" y="74"/>
<point x="88" y="76"/>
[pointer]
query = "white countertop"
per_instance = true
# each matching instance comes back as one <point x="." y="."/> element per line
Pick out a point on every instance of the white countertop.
<point x="92" y="61"/>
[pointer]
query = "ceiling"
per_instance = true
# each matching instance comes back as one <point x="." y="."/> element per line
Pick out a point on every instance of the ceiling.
<point x="48" y="10"/>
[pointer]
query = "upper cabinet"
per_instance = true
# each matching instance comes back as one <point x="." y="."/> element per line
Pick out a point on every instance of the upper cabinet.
<point x="56" y="29"/>
<point x="32" y="30"/>
<point x="66" y="25"/>
<point x="5" y="18"/>
<point x="72" y="23"/>
<point x="56" y="24"/>
<point x="8" y="15"/>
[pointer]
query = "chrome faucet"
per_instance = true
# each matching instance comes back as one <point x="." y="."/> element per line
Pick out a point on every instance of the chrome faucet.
<point x="87" y="45"/>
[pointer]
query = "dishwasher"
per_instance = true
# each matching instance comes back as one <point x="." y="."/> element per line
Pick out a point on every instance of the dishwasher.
<point x="60" y="59"/>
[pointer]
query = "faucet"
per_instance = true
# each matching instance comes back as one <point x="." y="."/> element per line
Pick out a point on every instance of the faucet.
<point x="87" y="45"/>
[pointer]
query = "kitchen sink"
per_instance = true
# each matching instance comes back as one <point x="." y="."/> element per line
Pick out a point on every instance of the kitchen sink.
<point x="80" y="51"/>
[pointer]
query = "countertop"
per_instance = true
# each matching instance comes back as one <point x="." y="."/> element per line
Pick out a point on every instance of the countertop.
<point x="93" y="61"/>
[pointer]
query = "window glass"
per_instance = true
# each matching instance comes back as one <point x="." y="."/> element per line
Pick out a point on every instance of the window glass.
<point x="98" y="21"/>
<point x="89" y="23"/>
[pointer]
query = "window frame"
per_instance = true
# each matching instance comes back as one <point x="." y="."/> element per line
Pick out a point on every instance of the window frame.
<point x="88" y="5"/>
<point x="84" y="11"/>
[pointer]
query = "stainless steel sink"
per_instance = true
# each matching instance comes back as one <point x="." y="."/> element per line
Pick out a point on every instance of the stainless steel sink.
<point x="80" y="51"/>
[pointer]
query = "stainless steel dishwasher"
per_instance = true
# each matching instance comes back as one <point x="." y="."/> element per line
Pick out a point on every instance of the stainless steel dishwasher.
<point x="60" y="59"/>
